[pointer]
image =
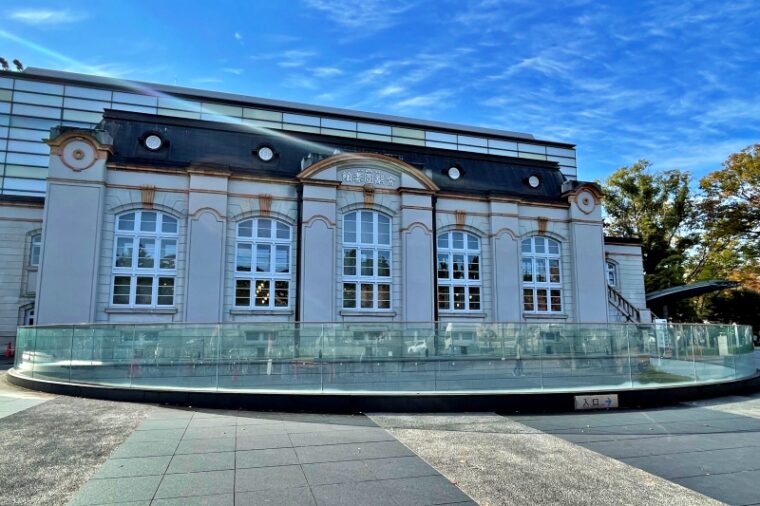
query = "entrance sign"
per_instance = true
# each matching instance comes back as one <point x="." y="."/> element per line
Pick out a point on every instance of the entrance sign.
<point x="584" y="402"/>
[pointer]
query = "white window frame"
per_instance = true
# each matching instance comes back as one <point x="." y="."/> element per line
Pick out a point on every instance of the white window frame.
<point x="611" y="270"/>
<point x="447" y="251"/>
<point x="134" y="271"/>
<point x="27" y="315"/>
<point x="536" y="257"/>
<point x="379" y="283"/>
<point x="271" y="276"/>
<point x="35" y="245"/>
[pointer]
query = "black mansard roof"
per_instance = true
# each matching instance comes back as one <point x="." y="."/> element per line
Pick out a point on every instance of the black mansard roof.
<point x="196" y="142"/>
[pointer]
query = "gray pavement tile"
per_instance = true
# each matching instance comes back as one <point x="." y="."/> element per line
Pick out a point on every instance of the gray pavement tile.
<point x="367" y="493"/>
<point x="265" y="458"/>
<point x="353" y="451"/>
<point x="710" y="462"/>
<point x="262" y="442"/>
<point x="305" y="427"/>
<point x="345" y="436"/>
<point x="193" y="463"/>
<point x="146" y="449"/>
<point x="668" y="445"/>
<point x="737" y="488"/>
<point x="209" y="432"/>
<point x="247" y="419"/>
<point x="144" y="436"/>
<point x="112" y="490"/>
<point x="219" y="421"/>
<point x="326" y="473"/>
<point x="170" y="414"/>
<point x="139" y="466"/>
<point x="197" y="484"/>
<point x="206" y="445"/>
<point x="424" y="490"/>
<point x="400" y="467"/>
<point x="260" y="429"/>
<point x="263" y="478"/>
<point x="217" y="413"/>
<point x="180" y="423"/>
<point x="206" y="500"/>
<point x="277" y="497"/>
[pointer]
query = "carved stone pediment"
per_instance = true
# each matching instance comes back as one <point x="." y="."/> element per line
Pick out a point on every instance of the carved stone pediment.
<point x="362" y="169"/>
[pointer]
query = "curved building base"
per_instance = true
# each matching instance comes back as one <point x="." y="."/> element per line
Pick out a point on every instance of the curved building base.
<point x="352" y="402"/>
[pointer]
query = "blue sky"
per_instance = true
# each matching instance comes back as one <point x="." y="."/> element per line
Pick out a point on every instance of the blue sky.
<point x="676" y="82"/>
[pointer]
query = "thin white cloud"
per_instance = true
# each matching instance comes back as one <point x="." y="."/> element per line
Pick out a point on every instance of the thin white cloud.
<point x="369" y="15"/>
<point x="230" y="70"/>
<point x="434" y="99"/>
<point x="238" y="36"/>
<point x="46" y="16"/>
<point x="291" y="58"/>
<point x="300" y="81"/>
<point x="391" y="89"/>
<point x="326" y="71"/>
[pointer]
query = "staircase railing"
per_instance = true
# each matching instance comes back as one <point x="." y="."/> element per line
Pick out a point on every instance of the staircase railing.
<point x="628" y="310"/>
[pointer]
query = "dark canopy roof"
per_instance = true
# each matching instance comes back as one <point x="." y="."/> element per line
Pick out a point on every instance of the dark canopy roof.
<point x="691" y="290"/>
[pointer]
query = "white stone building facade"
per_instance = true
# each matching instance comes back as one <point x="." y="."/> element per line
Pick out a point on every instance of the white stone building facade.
<point x="151" y="217"/>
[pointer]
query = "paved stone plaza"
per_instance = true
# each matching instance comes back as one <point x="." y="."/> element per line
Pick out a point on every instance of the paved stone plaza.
<point x="65" y="450"/>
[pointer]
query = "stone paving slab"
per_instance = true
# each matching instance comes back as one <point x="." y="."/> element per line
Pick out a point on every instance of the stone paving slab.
<point x="498" y="460"/>
<point x="49" y="450"/>
<point x="711" y="447"/>
<point x="174" y="457"/>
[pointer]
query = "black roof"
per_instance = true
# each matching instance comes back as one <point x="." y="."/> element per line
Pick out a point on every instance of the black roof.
<point x="676" y="293"/>
<point x="229" y="146"/>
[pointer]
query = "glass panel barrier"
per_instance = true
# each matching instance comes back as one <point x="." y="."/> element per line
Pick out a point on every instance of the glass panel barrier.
<point x="387" y="357"/>
<point x="52" y="356"/>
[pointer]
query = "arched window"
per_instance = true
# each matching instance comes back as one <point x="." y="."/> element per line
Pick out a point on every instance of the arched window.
<point x="366" y="260"/>
<point x="145" y="259"/>
<point x="262" y="264"/>
<point x="541" y="276"/>
<point x="459" y="279"/>
<point x="612" y="276"/>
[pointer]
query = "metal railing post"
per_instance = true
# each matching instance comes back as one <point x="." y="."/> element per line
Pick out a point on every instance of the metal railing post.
<point x="628" y="343"/>
<point x="320" y="355"/>
<point x="218" y="355"/>
<point x="541" y="359"/>
<point x="693" y="353"/>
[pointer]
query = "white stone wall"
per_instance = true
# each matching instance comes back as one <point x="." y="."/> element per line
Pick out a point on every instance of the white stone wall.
<point x="477" y="222"/>
<point x="388" y="203"/>
<point x="18" y="222"/>
<point x="501" y="222"/>
<point x="557" y="229"/>
<point x="244" y="203"/>
<point x="170" y="197"/>
<point x="630" y="270"/>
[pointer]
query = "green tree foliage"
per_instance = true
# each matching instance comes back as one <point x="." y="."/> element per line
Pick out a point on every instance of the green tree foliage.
<point x="730" y="212"/>
<point x="657" y="208"/>
<point x="688" y="236"/>
<point x="733" y="306"/>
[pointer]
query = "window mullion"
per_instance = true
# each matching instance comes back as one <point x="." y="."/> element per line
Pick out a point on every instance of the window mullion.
<point x="132" y="289"/>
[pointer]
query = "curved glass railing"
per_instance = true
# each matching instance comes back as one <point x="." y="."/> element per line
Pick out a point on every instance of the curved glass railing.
<point x="395" y="358"/>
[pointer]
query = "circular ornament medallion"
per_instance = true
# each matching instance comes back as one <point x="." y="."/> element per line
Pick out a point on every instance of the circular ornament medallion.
<point x="78" y="154"/>
<point x="586" y="202"/>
